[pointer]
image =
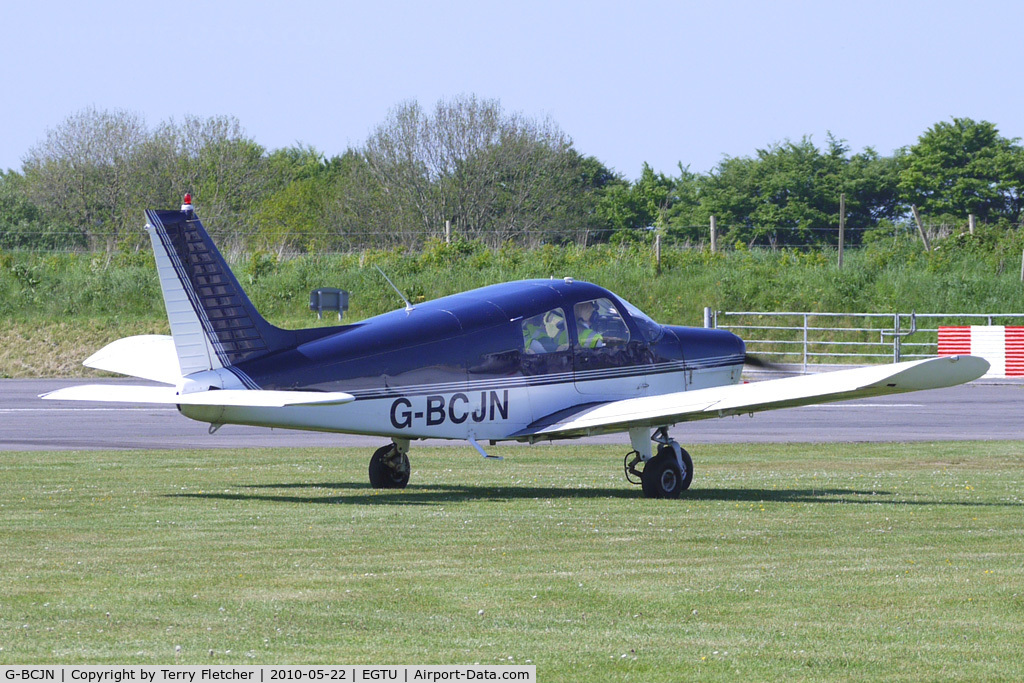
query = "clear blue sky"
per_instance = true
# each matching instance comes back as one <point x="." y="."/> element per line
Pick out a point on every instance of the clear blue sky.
<point x="629" y="82"/>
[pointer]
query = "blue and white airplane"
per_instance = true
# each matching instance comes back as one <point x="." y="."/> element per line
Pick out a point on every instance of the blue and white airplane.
<point x="529" y="361"/>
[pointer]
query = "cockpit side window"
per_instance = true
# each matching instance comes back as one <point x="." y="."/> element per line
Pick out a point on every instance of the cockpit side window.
<point x="599" y="324"/>
<point x="545" y="333"/>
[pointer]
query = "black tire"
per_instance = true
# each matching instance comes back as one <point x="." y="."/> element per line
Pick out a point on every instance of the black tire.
<point x="662" y="477"/>
<point x="687" y="466"/>
<point x="389" y="470"/>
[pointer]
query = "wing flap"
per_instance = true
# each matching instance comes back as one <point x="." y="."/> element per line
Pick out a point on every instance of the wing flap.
<point x="700" y="404"/>
<point x="220" y="397"/>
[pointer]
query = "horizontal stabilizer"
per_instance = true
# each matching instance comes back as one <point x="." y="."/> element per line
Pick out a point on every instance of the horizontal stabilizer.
<point x="218" y="397"/>
<point x="735" y="399"/>
<point x="147" y="356"/>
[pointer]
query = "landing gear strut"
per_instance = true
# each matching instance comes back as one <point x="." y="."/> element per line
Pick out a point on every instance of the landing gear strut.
<point x="664" y="475"/>
<point x="389" y="466"/>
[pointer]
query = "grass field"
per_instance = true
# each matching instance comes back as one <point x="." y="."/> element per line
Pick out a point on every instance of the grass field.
<point x="60" y="308"/>
<point x="806" y="562"/>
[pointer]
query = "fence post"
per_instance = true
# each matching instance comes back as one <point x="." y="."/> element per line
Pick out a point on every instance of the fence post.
<point x="447" y="232"/>
<point x="714" y="235"/>
<point x="842" y="226"/>
<point x="896" y="336"/>
<point x="805" y="343"/>
<point x="657" y="253"/>
<point x="708" y="322"/>
<point x="970" y="222"/>
<point x="920" y="228"/>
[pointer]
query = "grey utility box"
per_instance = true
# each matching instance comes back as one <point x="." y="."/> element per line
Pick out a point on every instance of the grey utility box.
<point x="328" y="299"/>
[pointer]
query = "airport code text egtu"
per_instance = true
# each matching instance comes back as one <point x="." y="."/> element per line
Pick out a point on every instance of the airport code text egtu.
<point x="267" y="674"/>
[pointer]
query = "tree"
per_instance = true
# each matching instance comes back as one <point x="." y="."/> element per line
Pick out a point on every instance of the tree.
<point x="97" y="171"/>
<point x="82" y="174"/>
<point x="800" y="188"/>
<point x="21" y="224"/>
<point x="962" y="167"/>
<point x="684" y="216"/>
<point x="298" y="162"/>
<point x="397" y="156"/>
<point x="293" y="217"/>
<point x="296" y="215"/>
<point x="227" y="173"/>
<point x="629" y="207"/>
<point x="577" y="217"/>
<point x="797" y="187"/>
<point x="494" y="175"/>
<point x="871" y="184"/>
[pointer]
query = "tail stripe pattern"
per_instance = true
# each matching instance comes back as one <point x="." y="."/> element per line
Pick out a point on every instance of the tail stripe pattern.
<point x="227" y="318"/>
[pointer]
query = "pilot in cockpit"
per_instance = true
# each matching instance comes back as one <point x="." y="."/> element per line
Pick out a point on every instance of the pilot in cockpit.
<point x="589" y="338"/>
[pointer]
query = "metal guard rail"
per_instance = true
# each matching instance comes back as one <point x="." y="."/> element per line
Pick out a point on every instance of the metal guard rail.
<point x="819" y="342"/>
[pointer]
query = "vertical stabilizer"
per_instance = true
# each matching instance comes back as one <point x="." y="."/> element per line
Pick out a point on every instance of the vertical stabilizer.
<point x="213" y="323"/>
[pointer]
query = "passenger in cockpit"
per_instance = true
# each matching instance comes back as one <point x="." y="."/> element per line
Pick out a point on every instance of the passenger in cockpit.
<point x="557" y="337"/>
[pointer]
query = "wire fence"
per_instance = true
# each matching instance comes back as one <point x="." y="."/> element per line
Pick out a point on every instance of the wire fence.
<point x="350" y="241"/>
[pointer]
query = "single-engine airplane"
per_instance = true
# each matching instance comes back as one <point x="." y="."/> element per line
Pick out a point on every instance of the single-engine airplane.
<point x="528" y="361"/>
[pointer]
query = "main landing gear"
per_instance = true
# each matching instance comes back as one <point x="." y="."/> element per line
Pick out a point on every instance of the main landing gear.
<point x="665" y="474"/>
<point x="389" y="466"/>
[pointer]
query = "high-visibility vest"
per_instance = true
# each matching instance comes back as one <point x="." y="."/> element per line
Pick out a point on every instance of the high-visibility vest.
<point x="562" y="339"/>
<point x="531" y="333"/>
<point x="589" y="339"/>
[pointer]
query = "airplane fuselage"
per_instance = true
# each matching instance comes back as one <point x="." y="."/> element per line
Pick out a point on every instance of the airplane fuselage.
<point x="463" y="365"/>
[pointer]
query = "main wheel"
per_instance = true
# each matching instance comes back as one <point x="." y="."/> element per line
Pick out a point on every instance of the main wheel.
<point x="662" y="477"/>
<point x="389" y="469"/>
<point x="687" y="465"/>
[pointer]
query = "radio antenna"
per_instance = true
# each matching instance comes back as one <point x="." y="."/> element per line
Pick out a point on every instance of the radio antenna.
<point x="408" y="306"/>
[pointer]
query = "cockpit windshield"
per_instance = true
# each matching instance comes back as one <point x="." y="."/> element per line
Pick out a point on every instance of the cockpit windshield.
<point x="650" y="330"/>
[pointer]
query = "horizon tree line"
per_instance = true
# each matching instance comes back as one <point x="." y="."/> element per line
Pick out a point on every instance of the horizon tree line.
<point x="492" y="176"/>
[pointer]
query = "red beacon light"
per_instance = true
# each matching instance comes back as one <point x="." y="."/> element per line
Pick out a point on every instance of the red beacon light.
<point x="186" y="203"/>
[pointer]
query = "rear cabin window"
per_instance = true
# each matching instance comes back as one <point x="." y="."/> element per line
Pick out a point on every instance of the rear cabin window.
<point x="545" y="333"/>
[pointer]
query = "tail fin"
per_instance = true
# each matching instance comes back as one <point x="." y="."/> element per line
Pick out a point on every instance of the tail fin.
<point x="213" y="322"/>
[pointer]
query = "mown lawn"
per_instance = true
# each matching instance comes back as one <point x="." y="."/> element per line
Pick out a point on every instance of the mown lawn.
<point x="811" y="562"/>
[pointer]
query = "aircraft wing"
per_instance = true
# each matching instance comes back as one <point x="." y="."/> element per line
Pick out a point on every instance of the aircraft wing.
<point x="736" y="399"/>
<point x="120" y="393"/>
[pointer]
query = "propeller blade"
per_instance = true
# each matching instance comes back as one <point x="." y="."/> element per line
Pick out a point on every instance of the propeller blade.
<point x="758" y="362"/>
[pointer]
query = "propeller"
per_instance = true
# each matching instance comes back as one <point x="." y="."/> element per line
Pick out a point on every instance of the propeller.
<point x="762" y="364"/>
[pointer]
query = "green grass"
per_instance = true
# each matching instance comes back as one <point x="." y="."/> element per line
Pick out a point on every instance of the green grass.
<point x="810" y="562"/>
<point x="57" y="309"/>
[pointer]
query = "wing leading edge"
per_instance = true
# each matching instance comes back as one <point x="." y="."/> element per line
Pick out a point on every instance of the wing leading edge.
<point x="247" y="398"/>
<point x="736" y="399"/>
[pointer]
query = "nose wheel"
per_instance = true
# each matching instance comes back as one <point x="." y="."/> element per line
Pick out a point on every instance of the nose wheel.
<point x="663" y="477"/>
<point x="665" y="474"/>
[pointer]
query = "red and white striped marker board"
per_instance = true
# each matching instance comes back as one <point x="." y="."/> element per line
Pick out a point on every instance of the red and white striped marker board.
<point x="1001" y="345"/>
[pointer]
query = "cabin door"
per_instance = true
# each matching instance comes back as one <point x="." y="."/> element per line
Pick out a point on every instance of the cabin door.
<point x="607" y="362"/>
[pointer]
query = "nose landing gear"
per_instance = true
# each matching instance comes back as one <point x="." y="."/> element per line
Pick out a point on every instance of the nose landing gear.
<point x="664" y="475"/>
